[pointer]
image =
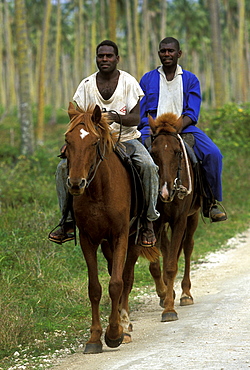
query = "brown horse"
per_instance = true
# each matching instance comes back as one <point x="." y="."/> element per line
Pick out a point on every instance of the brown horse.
<point x="178" y="204"/>
<point x="101" y="189"/>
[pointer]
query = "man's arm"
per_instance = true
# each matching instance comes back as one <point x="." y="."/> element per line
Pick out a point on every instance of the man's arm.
<point x="186" y="121"/>
<point x="130" y="119"/>
<point x="192" y="99"/>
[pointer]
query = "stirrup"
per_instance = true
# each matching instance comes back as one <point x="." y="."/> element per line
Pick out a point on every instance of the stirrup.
<point x="63" y="236"/>
<point x="214" y="211"/>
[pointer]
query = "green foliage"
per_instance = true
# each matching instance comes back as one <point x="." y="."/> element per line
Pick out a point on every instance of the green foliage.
<point x="229" y="128"/>
<point x="43" y="287"/>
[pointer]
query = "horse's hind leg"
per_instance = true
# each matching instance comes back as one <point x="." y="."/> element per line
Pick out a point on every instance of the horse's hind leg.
<point x="94" y="344"/>
<point x="188" y="244"/>
<point x="106" y="250"/>
<point x="170" y="267"/>
<point x="161" y="290"/>
<point x="128" y="280"/>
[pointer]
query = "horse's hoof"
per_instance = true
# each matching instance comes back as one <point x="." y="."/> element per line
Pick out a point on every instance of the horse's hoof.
<point x="113" y="343"/>
<point x="186" y="301"/>
<point x="169" y="316"/>
<point x="93" y="348"/>
<point x="161" y="302"/>
<point x="126" y="338"/>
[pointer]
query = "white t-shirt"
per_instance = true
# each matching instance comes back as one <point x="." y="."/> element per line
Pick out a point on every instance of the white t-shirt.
<point x="124" y="99"/>
<point x="171" y="93"/>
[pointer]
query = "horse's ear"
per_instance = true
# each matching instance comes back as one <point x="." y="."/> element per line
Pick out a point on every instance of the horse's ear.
<point x="71" y="110"/>
<point x="97" y="114"/>
<point x="151" y="123"/>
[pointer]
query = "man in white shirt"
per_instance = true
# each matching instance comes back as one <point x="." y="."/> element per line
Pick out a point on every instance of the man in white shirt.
<point x="114" y="90"/>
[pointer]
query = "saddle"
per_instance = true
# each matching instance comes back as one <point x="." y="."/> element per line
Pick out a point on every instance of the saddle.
<point x="124" y="151"/>
<point x="202" y="186"/>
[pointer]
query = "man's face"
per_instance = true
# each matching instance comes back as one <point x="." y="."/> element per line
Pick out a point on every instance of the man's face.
<point x="169" y="54"/>
<point x="106" y="59"/>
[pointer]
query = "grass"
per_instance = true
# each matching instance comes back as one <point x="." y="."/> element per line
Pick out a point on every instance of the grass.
<point x="43" y="287"/>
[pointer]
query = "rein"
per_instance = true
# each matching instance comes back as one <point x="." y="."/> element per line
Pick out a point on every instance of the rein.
<point x="94" y="168"/>
<point x="181" y="190"/>
<point x="101" y="155"/>
<point x="120" y="123"/>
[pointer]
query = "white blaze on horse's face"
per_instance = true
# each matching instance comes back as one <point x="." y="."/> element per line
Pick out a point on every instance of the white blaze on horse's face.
<point x="83" y="133"/>
<point x="164" y="191"/>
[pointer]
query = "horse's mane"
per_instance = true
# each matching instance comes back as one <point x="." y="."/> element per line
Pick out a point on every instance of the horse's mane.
<point x="102" y="129"/>
<point x="167" y="122"/>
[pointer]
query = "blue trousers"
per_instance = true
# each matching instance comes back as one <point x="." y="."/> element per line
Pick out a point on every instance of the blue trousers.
<point x="211" y="159"/>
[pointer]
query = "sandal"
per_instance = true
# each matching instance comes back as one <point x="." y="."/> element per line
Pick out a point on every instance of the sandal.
<point x="64" y="234"/>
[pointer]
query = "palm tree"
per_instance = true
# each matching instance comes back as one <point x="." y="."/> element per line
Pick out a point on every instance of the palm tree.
<point x="27" y="134"/>
<point x="217" y="53"/>
<point x="42" y="70"/>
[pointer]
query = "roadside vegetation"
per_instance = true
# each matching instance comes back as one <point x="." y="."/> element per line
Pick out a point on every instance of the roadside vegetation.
<point x="44" y="305"/>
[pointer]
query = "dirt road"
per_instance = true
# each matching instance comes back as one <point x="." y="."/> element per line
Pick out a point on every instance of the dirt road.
<point x="214" y="333"/>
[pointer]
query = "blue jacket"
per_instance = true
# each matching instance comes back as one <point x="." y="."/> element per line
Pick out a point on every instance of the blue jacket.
<point x="191" y="99"/>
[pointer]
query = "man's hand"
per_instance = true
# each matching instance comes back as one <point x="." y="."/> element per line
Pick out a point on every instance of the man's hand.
<point x="63" y="151"/>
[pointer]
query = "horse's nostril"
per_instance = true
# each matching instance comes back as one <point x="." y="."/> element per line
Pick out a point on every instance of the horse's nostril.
<point x="68" y="183"/>
<point x="76" y="184"/>
<point x="83" y="183"/>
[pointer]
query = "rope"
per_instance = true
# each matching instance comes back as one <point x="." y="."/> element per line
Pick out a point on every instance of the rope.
<point x="189" y="191"/>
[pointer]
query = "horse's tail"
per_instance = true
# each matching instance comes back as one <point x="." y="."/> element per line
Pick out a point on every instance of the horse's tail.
<point x="152" y="254"/>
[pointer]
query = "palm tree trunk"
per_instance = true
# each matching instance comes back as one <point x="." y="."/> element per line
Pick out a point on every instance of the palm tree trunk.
<point x="112" y="19"/>
<point x="217" y="54"/>
<point x="10" y="67"/>
<point x="27" y="134"/>
<point x="41" y="83"/>
<point x="2" y="82"/>
<point x="241" y="91"/>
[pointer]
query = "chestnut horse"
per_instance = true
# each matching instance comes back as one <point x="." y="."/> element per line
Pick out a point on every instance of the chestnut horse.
<point x="101" y="189"/>
<point x="178" y="203"/>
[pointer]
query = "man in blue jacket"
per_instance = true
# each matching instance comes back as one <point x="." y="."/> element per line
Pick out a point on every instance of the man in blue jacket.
<point x="169" y="88"/>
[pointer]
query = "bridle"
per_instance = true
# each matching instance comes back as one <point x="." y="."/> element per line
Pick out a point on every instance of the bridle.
<point x="178" y="188"/>
<point x="92" y="171"/>
<point x="100" y="156"/>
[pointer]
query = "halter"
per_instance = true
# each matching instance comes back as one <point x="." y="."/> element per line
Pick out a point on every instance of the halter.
<point x="181" y="190"/>
<point x="94" y="167"/>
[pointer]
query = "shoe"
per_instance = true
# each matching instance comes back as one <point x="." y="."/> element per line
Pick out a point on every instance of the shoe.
<point x="64" y="234"/>
<point x="147" y="237"/>
<point x="217" y="215"/>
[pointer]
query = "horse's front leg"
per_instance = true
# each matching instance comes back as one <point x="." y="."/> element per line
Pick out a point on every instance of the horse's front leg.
<point x="170" y="268"/>
<point x="188" y="244"/>
<point x="94" y="344"/>
<point x="114" y="332"/>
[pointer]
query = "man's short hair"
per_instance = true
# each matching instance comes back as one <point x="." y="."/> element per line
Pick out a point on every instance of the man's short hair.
<point x="108" y="43"/>
<point x="170" y="40"/>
